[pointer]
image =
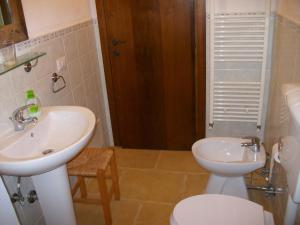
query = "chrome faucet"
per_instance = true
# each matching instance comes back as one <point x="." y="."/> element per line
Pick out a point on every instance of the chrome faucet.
<point x="254" y="144"/>
<point x="18" y="118"/>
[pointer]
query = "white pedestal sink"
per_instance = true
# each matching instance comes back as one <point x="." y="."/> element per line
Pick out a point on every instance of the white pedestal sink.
<point x="228" y="162"/>
<point x="42" y="152"/>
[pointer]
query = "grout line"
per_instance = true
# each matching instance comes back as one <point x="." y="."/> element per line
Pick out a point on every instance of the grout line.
<point x="164" y="171"/>
<point x="137" y="214"/>
<point x="158" y="159"/>
<point x="148" y="201"/>
<point x="184" y="185"/>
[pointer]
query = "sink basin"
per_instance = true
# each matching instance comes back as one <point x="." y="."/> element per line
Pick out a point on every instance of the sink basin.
<point x="228" y="162"/>
<point x="226" y="156"/>
<point x="42" y="151"/>
<point x="59" y="135"/>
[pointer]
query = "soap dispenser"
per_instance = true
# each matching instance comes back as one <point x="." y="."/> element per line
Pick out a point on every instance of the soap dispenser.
<point x="35" y="109"/>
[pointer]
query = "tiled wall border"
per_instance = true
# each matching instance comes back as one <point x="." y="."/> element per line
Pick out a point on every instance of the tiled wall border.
<point x="52" y="35"/>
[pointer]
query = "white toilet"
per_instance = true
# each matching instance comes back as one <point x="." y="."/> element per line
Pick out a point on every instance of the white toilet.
<point x="215" y="209"/>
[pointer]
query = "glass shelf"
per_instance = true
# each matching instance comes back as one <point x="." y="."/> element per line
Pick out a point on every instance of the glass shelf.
<point x="21" y="60"/>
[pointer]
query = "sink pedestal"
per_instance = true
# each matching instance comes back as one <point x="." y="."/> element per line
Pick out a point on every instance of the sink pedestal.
<point x="7" y="211"/>
<point x="53" y="190"/>
<point x="234" y="186"/>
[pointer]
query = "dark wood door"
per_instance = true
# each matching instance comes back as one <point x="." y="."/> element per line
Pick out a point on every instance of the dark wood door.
<point x="150" y="46"/>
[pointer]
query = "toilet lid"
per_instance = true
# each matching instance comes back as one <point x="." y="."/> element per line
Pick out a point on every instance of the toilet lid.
<point x="210" y="209"/>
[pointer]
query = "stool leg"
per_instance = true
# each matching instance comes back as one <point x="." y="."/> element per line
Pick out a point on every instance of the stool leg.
<point x="82" y="186"/>
<point x="115" y="177"/>
<point x="104" y="197"/>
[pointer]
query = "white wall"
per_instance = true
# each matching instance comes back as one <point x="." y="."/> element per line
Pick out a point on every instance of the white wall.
<point x="43" y="16"/>
<point x="242" y="5"/>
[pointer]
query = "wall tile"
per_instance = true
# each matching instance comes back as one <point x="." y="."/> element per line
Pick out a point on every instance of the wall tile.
<point x="71" y="47"/>
<point x="94" y="61"/>
<point x="286" y="61"/>
<point x="66" y="100"/>
<point x="22" y="81"/>
<point x="75" y="73"/>
<point x="80" y="95"/>
<point x="86" y="68"/>
<point x="91" y="38"/>
<point x="56" y="48"/>
<point x="6" y="88"/>
<point x="296" y="75"/>
<point x="45" y="65"/>
<point x="82" y="41"/>
<point x="285" y="69"/>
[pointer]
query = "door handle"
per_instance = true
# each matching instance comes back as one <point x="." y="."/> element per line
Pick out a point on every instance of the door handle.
<point x="116" y="42"/>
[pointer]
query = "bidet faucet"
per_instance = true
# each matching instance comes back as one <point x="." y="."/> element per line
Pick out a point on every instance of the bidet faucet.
<point x="254" y="144"/>
<point x="18" y="118"/>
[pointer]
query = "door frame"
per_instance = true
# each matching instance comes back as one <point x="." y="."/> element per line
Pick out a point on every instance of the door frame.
<point x="200" y="67"/>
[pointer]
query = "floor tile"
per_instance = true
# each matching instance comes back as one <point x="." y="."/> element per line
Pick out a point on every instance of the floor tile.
<point x="123" y="213"/>
<point x="137" y="158"/>
<point x="88" y="214"/>
<point x="154" y="214"/>
<point x="150" y="185"/>
<point x="179" y="161"/>
<point x="195" y="184"/>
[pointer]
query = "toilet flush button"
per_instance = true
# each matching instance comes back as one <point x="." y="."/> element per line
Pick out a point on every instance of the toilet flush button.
<point x="217" y="210"/>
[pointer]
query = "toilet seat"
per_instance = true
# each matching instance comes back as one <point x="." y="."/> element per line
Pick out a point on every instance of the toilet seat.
<point x="214" y="209"/>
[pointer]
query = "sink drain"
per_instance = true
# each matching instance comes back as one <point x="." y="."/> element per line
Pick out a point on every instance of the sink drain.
<point x="48" y="151"/>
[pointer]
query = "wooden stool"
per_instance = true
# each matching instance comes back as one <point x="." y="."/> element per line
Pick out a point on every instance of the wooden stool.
<point x="95" y="162"/>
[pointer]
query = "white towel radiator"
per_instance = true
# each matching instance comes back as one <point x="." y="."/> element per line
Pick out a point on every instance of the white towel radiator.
<point x="237" y="39"/>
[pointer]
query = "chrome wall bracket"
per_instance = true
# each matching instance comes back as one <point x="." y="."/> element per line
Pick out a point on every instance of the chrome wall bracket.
<point x="28" y="66"/>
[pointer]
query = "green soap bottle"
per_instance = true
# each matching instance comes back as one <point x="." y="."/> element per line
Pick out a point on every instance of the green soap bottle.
<point x="35" y="109"/>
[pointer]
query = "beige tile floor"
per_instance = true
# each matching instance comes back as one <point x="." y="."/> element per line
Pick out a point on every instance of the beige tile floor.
<point x="151" y="183"/>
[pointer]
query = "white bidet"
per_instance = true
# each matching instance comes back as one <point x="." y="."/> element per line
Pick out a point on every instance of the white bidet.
<point x="228" y="162"/>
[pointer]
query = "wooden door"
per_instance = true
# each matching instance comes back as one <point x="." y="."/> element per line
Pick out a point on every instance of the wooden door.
<point x="149" y="56"/>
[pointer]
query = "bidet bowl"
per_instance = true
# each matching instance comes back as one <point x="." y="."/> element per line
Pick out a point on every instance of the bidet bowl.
<point x="225" y="156"/>
<point x="60" y="134"/>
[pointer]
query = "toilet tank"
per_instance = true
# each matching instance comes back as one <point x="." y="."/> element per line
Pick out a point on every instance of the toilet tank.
<point x="290" y="137"/>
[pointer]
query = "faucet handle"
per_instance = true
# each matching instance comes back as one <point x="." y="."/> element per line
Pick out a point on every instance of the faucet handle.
<point x="255" y="143"/>
<point x="18" y="114"/>
<point x="18" y="118"/>
<point x="254" y="139"/>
